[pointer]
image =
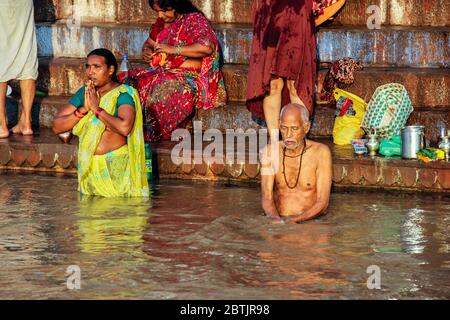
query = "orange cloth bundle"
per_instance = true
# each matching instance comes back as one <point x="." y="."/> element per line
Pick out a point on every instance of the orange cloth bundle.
<point x="325" y="9"/>
<point x="159" y="59"/>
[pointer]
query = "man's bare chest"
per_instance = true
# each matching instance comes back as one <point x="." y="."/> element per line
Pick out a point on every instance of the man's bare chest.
<point x="296" y="175"/>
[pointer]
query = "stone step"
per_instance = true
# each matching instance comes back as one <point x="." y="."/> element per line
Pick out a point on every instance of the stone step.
<point x="236" y="116"/>
<point x="393" y="46"/>
<point x="427" y="87"/>
<point x="45" y="153"/>
<point x="399" y="12"/>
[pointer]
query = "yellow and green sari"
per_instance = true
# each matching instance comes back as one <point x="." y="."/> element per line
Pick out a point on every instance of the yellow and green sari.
<point x="119" y="173"/>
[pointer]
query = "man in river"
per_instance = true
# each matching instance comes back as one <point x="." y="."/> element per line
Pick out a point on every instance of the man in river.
<point x="296" y="172"/>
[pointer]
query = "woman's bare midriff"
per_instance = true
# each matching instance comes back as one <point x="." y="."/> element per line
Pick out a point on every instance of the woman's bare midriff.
<point x="110" y="141"/>
<point x="192" y="63"/>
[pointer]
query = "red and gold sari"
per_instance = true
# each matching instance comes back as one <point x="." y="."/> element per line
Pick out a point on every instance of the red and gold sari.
<point x="169" y="93"/>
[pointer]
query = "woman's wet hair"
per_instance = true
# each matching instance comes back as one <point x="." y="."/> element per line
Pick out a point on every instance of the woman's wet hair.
<point x="180" y="6"/>
<point x="110" y="60"/>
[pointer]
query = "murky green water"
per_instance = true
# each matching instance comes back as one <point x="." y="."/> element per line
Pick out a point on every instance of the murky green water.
<point x="206" y="241"/>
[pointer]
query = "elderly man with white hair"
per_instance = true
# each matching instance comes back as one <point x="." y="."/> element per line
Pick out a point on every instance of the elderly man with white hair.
<point x="296" y="172"/>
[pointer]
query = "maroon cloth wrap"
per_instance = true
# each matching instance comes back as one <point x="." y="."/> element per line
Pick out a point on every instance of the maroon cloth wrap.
<point x="340" y="75"/>
<point x="284" y="45"/>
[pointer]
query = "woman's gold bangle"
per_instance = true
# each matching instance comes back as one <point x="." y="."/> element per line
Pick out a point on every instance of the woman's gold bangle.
<point x="178" y="49"/>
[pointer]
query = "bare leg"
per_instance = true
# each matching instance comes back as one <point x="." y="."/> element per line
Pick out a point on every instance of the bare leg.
<point x="27" y="92"/>
<point x="272" y="107"/>
<point x="293" y="95"/>
<point x="3" y="125"/>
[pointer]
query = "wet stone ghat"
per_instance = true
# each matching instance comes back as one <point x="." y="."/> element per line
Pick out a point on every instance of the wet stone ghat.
<point x="410" y="48"/>
<point x="45" y="153"/>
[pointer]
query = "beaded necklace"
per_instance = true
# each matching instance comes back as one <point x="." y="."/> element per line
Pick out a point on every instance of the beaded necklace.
<point x="299" y="168"/>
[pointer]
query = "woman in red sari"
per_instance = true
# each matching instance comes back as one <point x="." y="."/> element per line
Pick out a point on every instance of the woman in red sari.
<point x="184" y="72"/>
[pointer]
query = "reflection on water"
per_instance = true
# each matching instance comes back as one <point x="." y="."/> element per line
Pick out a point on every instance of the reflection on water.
<point x="210" y="241"/>
<point x="412" y="231"/>
<point x="106" y="224"/>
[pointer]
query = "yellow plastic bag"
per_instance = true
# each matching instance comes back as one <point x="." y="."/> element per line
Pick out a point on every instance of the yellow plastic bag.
<point x="347" y="128"/>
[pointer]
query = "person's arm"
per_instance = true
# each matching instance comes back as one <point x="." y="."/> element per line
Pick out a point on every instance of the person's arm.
<point x="69" y="116"/>
<point x="195" y="50"/>
<point x="204" y="40"/>
<point x="149" y="44"/>
<point x="123" y="124"/>
<point x="66" y="119"/>
<point x="324" y="177"/>
<point x="148" y="50"/>
<point x="267" y="185"/>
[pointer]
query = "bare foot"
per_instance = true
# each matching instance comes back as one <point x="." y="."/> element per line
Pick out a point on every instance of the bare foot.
<point x="22" y="129"/>
<point x="27" y="132"/>
<point x="15" y="129"/>
<point x="4" y="133"/>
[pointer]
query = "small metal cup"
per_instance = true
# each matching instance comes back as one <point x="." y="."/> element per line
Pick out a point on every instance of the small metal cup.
<point x="65" y="136"/>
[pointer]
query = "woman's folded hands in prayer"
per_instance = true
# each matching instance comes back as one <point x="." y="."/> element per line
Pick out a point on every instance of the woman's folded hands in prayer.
<point x="91" y="97"/>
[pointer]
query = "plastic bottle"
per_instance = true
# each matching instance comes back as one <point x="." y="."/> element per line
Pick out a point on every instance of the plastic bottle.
<point x="148" y="162"/>
<point x="125" y="65"/>
<point x="443" y="132"/>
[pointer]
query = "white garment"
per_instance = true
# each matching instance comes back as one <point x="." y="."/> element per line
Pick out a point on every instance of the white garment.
<point x="18" y="46"/>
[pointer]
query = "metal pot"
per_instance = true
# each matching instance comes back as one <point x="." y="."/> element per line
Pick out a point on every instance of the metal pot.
<point x="66" y="136"/>
<point x="373" y="145"/>
<point x="412" y="141"/>
<point x="445" y="146"/>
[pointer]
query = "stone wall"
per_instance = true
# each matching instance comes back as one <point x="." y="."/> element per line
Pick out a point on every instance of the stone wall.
<point x="412" y="48"/>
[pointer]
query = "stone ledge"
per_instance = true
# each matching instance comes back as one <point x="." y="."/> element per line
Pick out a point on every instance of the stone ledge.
<point x="236" y="115"/>
<point x="400" y="12"/>
<point x="390" y="46"/>
<point x="427" y="87"/>
<point x="44" y="153"/>
<point x="348" y="171"/>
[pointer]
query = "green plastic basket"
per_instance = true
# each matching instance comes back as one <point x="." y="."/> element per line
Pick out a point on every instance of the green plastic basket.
<point x="388" y="111"/>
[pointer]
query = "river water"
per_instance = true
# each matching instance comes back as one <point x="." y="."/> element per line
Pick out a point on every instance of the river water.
<point x="210" y="241"/>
